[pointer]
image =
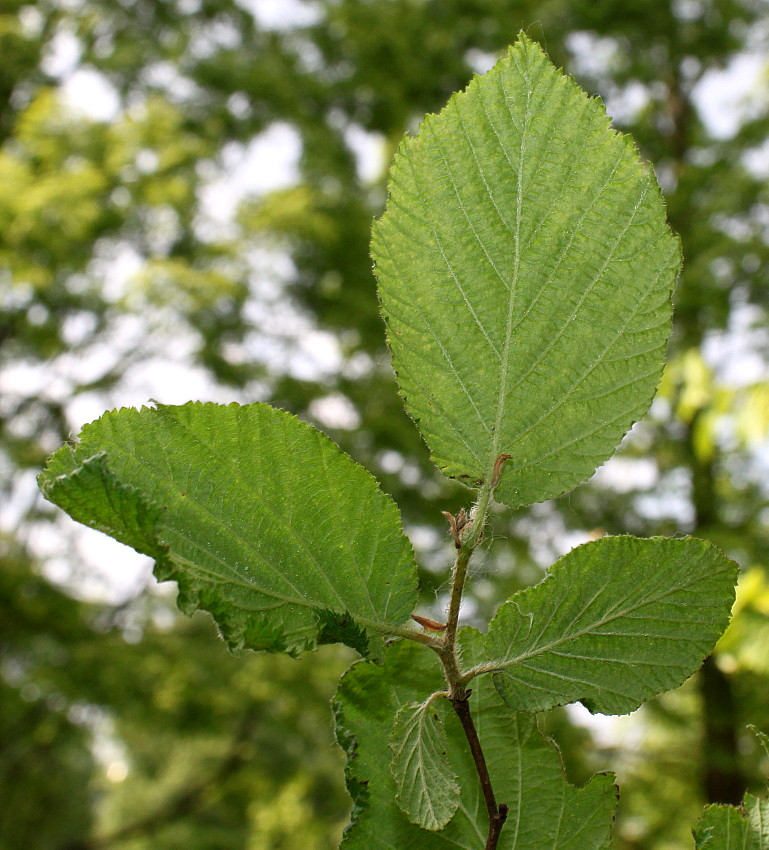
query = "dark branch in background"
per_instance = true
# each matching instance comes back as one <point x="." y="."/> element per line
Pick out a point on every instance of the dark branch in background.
<point x="722" y="777"/>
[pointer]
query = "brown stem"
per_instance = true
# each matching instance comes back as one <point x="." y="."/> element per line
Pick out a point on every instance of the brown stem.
<point x="468" y="533"/>
<point x="497" y="813"/>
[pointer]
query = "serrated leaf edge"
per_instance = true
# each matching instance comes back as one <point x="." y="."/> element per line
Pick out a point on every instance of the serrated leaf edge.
<point x="449" y="781"/>
<point x="405" y="149"/>
<point x="170" y="567"/>
<point x="496" y="668"/>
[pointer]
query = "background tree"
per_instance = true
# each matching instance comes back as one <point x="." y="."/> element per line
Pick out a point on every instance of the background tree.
<point x="117" y="269"/>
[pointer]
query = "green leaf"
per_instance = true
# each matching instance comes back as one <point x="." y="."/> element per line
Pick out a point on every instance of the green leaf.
<point x="546" y="813"/>
<point x="729" y="828"/>
<point x="723" y="828"/>
<point x="614" y="623"/>
<point x="260" y="518"/>
<point x="525" y="272"/>
<point x="428" y="792"/>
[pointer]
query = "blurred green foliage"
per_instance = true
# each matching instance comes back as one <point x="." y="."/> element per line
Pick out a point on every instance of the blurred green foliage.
<point x="124" y="726"/>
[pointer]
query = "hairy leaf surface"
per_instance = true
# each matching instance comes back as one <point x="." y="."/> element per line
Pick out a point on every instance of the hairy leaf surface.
<point x="525" y="272"/>
<point x="260" y="518"/>
<point x="546" y="813"/>
<point x="614" y="623"/>
<point x="428" y="792"/>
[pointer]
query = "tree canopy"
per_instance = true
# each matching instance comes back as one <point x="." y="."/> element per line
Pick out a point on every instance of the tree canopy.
<point x="119" y="123"/>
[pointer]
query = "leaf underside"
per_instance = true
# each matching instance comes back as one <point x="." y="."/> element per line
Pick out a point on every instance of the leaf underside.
<point x="428" y="792"/>
<point x="614" y="623"/>
<point x="546" y="813"/>
<point x="260" y="518"/>
<point x="525" y="272"/>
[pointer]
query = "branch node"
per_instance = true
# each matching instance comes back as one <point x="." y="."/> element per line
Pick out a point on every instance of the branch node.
<point x="427" y="623"/>
<point x="454" y="526"/>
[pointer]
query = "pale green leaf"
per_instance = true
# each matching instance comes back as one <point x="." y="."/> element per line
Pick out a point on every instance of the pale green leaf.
<point x="757" y="809"/>
<point x="428" y="792"/>
<point x="614" y="623"/>
<point x="525" y="272"/>
<point x="260" y="518"/>
<point x="546" y="812"/>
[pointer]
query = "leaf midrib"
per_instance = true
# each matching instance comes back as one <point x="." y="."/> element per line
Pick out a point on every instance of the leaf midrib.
<point x="235" y="577"/>
<point x="302" y="602"/>
<point x="250" y="487"/>
<point x="501" y="666"/>
<point x="503" y="366"/>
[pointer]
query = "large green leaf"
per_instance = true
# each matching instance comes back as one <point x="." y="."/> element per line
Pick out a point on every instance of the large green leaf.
<point x="546" y="813"/>
<point x="614" y="623"/>
<point x="260" y="518"/>
<point x="525" y="272"/>
<point x="428" y="792"/>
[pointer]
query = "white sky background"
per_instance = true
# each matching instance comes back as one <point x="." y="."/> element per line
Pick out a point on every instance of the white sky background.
<point x="110" y="571"/>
